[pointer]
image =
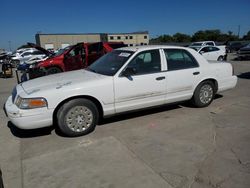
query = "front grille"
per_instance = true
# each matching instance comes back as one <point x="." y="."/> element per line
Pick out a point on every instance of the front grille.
<point x="14" y="92"/>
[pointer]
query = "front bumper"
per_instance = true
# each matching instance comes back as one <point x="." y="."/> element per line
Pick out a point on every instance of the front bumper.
<point x="28" y="119"/>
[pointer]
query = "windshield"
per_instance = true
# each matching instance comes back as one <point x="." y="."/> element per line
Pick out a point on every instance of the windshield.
<point x="110" y="63"/>
<point x="61" y="51"/>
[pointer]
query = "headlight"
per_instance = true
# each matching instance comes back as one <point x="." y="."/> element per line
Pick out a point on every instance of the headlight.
<point x="30" y="103"/>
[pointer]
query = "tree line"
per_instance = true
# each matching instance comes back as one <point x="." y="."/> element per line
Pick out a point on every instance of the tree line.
<point x="202" y="35"/>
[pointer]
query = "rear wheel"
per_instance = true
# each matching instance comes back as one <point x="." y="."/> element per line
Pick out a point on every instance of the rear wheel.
<point x="77" y="117"/>
<point x="53" y="70"/>
<point x="220" y="58"/>
<point x="204" y="94"/>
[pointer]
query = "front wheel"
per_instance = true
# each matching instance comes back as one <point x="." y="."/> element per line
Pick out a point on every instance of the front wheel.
<point x="77" y="117"/>
<point x="204" y="94"/>
<point x="53" y="70"/>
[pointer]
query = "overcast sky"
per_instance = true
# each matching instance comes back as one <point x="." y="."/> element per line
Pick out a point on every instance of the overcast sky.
<point x="21" y="20"/>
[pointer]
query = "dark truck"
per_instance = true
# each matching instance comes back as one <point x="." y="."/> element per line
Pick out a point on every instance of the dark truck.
<point x="74" y="57"/>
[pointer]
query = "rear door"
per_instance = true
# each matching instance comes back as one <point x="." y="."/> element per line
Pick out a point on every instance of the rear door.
<point x="182" y="74"/>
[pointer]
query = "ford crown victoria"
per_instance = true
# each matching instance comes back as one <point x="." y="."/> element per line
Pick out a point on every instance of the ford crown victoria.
<point x="125" y="79"/>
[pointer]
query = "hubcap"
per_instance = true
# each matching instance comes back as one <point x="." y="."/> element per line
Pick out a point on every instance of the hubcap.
<point x="206" y="94"/>
<point x="79" y="118"/>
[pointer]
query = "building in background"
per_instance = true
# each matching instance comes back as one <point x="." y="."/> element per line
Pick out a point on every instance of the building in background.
<point x="131" y="39"/>
<point x="56" y="41"/>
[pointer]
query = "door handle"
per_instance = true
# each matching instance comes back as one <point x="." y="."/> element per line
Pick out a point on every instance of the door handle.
<point x="160" y="78"/>
<point x="196" y="73"/>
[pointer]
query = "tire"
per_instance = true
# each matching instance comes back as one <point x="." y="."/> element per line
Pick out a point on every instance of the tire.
<point x="220" y="58"/>
<point x="203" y="94"/>
<point x="53" y="70"/>
<point x="77" y="117"/>
<point x="1" y="180"/>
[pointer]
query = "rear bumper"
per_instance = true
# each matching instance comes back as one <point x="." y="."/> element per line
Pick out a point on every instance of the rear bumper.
<point x="28" y="119"/>
<point x="228" y="83"/>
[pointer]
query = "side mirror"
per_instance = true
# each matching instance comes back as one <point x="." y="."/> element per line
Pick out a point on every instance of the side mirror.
<point x="201" y="52"/>
<point x="128" y="72"/>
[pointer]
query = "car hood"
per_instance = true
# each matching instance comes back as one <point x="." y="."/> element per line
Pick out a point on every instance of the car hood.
<point x="48" y="53"/>
<point x="60" y="81"/>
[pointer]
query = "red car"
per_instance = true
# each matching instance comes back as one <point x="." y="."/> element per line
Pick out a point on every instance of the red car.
<point x="76" y="57"/>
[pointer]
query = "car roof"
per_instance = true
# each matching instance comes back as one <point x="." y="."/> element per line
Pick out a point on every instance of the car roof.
<point x="149" y="47"/>
<point x="205" y="41"/>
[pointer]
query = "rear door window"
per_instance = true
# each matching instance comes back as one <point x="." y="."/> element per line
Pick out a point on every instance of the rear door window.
<point x="178" y="59"/>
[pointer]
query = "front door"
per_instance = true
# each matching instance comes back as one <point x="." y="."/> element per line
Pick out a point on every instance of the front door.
<point x="146" y="85"/>
<point x="95" y="51"/>
<point x="74" y="59"/>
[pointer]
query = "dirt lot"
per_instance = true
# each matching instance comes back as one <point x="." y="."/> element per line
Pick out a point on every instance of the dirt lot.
<point x="173" y="146"/>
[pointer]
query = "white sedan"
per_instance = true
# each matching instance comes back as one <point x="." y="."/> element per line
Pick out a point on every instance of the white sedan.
<point x="211" y="53"/>
<point x="27" y="55"/>
<point x="126" y="79"/>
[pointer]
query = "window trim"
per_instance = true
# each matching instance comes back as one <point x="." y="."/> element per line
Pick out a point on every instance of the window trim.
<point x="198" y="65"/>
<point x="136" y="55"/>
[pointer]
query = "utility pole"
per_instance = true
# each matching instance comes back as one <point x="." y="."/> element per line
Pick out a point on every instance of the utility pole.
<point x="238" y="31"/>
<point x="9" y="45"/>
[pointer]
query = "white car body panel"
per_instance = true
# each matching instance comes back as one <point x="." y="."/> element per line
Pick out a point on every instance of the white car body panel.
<point x="24" y="58"/>
<point x="213" y="55"/>
<point x="35" y="59"/>
<point x="116" y="93"/>
<point x="140" y="92"/>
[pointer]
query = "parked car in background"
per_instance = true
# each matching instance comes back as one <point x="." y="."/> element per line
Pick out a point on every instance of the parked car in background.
<point x="203" y="43"/>
<point x="198" y="45"/>
<point x="125" y="79"/>
<point x="212" y="53"/>
<point x="244" y="52"/>
<point x="234" y="46"/>
<point x="3" y="56"/>
<point x="75" y="57"/>
<point x="26" y="55"/>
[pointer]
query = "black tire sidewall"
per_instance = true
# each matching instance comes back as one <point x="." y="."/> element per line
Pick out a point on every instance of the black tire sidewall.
<point x="196" y="97"/>
<point x="64" y="110"/>
<point x="220" y="58"/>
<point x="49" y="71"/>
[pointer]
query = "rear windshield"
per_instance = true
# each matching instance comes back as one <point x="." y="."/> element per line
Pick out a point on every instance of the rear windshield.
<point x="196" y="44"/>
